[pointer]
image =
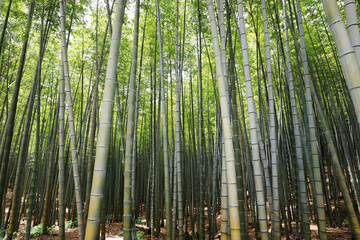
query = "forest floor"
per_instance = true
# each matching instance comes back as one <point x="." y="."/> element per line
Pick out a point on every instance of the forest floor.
<point x="114" y="230"/>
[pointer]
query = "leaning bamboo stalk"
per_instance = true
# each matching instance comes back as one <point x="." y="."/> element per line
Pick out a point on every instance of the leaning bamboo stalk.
<point x="8" y="132"/>
<point x="227" y="134"/>
<point x="102" y="149"/>
<point x="321" y="218"/>
<point x="352" y="26"/>
<point x="336" y="164"/>
<point x="296" y="123"/>
<point x="64" y="58"/>
<point x="257" y="168"/>
<point x="346" y="52"/>
<point x="236" y="130"/>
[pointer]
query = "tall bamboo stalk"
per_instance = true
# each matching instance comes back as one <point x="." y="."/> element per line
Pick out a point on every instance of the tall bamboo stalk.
<point x="64" y="58"/>
<point x="275" y="220"/>
<point x="337" y="167"/>
<point x="346" y="52"/>
<point x="227" y="134"/>
<point x="164" y="129"/>
<point x="352" y="26"/>
<point x="6" y="139"/>
<point x="130" y="129"/>
<point x="257" y="168"/>
<point x="314" y="150"/>
<point x="178" y="136"/>
<point x="102" y="149"/>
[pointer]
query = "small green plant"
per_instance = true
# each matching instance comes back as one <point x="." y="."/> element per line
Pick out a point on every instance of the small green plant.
<point x="37" y="230"/>
<point x="70" y="224"/>
<point x="53" y="228"/>
<point x="139" y="219"/>
<point x="346" y="220"/>
<point x="2" y="234"/>
<point x="139" y="235"/>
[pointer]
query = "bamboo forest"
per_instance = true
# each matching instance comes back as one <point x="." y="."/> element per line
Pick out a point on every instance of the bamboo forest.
<point x="179" y="119"/>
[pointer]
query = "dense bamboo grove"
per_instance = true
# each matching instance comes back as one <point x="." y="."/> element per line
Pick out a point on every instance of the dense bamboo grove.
<point x="186" y="119"/>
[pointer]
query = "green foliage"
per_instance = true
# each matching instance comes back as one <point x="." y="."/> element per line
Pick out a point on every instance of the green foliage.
<point x="37" y="230"/>
<point x="2" y="234"/>
<point x="139" y="234"/>
<point x="70" y="224"/>
<point x="139" y="219"/>
<point x="53" y="228"/>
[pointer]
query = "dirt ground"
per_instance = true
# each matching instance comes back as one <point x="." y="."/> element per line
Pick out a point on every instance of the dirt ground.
<point x="113" y="230"/>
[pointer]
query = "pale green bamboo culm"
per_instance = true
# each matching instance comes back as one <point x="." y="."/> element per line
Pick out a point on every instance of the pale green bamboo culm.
<point x="318" y="191"/>
<point x="257" y="167"/>
<point x="227" y="133"/>
<point x="75" y="167"/>
<point x="297" y="135"/>
<point x="61" y="163"/>
<point x="165" y="132"/>
<point x="352" y="25"/>
<point x="275" y="218"/>
<point x="130" y="130"/>
<point x="103" y="142"/>
<point x="224" y="200"/>
<point x="178" y="136"/>
<point x="337" y="167"/>
<point x="346" y="52"/>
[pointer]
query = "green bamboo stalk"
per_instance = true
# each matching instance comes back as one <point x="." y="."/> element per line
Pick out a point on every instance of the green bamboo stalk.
<point x="224" y="199"/>
<point x="165" y="131"/>
<point x="130" y="130"/>
<point x="178" y="137"/>
<point x="336" y="165"/>
<point x="61" y="155"/>
<point x="236" y="130"/>
<point x="79" y="203"/>
<point x="314" y="150"/>
<point x="201" y="134"/>
<point x="177" y="134"/>
<point x="102" y="149"/>
<point x="275" y="221"/>
<point x="6" y="139"/>
<point x="227" y="134"/>
<point x="257" y="168"/>
<point x="296" y="124"/>
<point x="346" y="52"/>
<point x="135" y="156"/>
<point x="352" y="26"/>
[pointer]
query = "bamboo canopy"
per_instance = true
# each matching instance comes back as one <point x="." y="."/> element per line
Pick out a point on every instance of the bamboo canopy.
<point x="186" y="119"/>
